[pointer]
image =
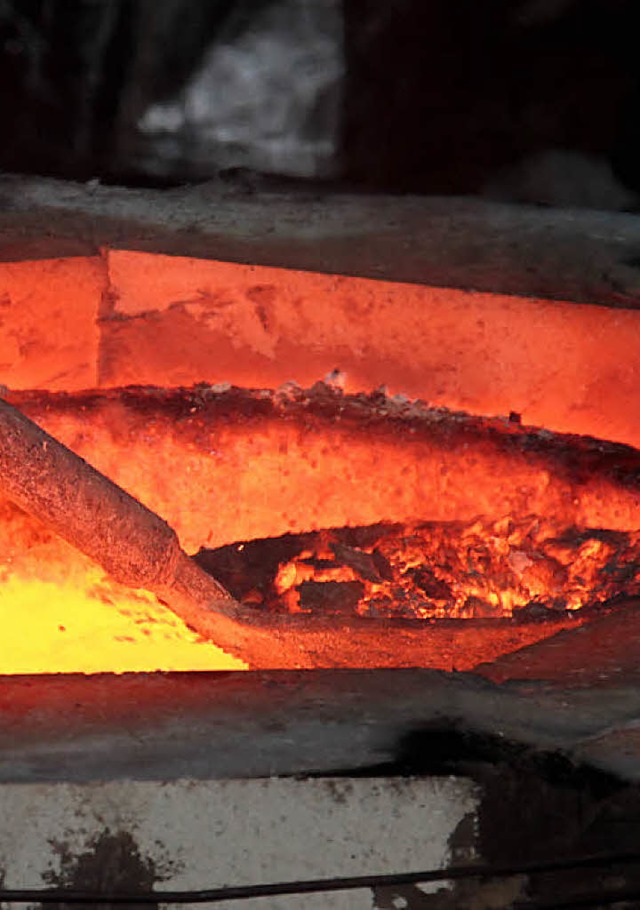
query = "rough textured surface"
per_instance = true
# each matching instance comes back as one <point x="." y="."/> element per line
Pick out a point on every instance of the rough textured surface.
<point x="100" y="519"/>
<point x="158" y="727"/>
<point x="253" y="452"/>
<point x="601" y="659"/>
<point x="601" y="652"/>
<point x="174" y="320"/>
<point x="468" y="243"/>
<point x="436" y="570"/>
<point x="185" y="835"/>
<point x="49" y="336"/>
<point x="94" y="795"/>
<point x="55" y="485"/>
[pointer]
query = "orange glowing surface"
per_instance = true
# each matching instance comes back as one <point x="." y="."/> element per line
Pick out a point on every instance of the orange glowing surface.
<point x="67" y="628"/>
<point x="147" y="319"/>
<point x="60" y="614"/>
<point x="570" y="367"/>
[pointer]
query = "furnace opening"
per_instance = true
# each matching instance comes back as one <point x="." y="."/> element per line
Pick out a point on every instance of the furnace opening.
<point x="357" y="528"/>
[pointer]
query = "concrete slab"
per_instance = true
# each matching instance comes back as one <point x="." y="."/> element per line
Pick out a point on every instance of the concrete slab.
<point x="194" y="835"/>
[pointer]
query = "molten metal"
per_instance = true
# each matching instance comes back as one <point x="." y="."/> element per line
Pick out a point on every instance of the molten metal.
<point x="59" y="612"/>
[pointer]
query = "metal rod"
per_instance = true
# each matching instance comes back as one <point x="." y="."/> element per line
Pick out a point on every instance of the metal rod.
<point x="133" y="544"/>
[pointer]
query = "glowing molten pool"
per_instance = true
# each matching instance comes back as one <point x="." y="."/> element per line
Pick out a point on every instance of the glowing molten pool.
<point x="59" y="613"/>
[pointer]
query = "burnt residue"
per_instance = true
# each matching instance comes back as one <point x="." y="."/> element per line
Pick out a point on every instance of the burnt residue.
<point x="263" y="298"/>
<point x="537" y="807"/>
<point x="111" y="863"/>
<point x="339" y="790"/>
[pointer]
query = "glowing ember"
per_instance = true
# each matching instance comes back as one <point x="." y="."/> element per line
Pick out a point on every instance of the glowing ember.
<point x="527" y="568"/>
<point x="59" y="613"/>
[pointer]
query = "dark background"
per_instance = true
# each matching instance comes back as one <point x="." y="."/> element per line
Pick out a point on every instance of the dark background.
<point x="426" y="96"/>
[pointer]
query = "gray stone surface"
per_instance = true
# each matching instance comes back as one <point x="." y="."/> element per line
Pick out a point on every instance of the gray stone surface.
<point x="205" y="726"/>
